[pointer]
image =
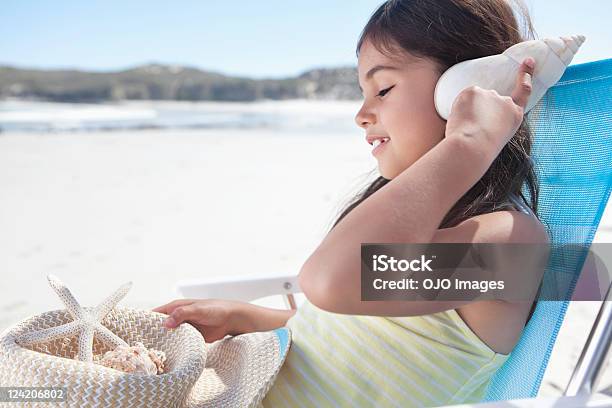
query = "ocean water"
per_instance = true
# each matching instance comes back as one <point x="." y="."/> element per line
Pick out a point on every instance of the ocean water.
<point x="294" y="115"/>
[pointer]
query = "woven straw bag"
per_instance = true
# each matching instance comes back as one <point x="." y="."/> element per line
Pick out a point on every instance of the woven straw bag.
<point x="233" y="372"/>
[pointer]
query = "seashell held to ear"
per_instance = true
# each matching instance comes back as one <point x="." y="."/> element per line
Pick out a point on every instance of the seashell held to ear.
<point x="498" y="72"/>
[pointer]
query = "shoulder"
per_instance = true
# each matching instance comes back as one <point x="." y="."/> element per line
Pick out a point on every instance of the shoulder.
<point x="495" y="227"/>
<point x="499" y="323"/>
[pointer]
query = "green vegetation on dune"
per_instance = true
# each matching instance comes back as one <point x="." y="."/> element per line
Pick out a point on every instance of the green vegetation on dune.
<point x="165" y="82"/>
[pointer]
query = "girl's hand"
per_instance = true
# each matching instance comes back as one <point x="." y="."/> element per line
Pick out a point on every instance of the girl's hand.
<point x="486" y="120"/>
<point x="213" y="318"/>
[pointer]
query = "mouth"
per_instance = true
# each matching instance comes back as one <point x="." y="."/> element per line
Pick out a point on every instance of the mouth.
<point x="379" y="145"/>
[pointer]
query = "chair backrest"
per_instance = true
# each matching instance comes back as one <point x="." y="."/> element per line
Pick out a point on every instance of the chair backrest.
<point x="573" y="157"/>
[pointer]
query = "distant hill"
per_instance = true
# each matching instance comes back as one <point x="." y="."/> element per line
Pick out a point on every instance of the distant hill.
<point x="168" y="82"/>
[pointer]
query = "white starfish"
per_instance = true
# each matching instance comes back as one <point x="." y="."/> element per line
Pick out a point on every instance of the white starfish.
<point x="87" y="322"/>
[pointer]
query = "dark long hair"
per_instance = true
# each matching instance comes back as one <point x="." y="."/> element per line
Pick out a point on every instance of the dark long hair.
<point x="448" y="32"/>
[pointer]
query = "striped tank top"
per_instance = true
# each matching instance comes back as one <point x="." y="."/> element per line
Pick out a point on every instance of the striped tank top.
<point x="338" y="360"/>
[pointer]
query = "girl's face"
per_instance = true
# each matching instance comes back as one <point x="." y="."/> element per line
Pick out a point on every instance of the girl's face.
<point x="398" y="104"/>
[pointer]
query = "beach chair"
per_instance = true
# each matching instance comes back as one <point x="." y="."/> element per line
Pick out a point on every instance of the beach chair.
<point x="573" y="158"/>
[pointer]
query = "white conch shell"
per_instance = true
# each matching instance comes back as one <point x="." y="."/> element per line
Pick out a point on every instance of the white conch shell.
<point x="498" y="72"/>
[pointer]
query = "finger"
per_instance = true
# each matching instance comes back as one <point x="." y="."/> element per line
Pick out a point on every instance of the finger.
<point x="169" y="307"/>
<point x="182" y="314"/>
<point x="522" y="90"/>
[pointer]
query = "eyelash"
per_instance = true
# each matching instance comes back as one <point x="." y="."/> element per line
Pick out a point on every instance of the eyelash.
<point x="385" y="91"/>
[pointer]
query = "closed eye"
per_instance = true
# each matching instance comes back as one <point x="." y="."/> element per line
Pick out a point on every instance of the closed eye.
<point x="385" y="91"/>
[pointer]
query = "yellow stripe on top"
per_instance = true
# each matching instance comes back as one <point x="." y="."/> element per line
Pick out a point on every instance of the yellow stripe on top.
<point x="338" y="360"/>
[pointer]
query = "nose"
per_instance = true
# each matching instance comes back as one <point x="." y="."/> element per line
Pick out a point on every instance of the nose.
<point x="365" y="117"/>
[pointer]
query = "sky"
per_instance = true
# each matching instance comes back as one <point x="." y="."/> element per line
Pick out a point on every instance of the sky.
<point x="258" y="39"/>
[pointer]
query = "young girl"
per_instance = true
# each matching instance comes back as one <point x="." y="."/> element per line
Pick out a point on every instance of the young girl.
<point x="457" y="181"/>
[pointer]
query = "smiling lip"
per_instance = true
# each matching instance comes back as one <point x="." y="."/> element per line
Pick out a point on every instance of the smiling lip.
<point x="371" y="138"/>
<point x="381" y="146"/>
<point x="384" y="140"/>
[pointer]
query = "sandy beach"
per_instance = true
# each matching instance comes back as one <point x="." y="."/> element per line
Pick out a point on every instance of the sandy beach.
<point x="156" y="206"/>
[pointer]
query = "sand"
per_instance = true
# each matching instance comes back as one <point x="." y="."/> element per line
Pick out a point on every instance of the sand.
<point x="100" y="208"/>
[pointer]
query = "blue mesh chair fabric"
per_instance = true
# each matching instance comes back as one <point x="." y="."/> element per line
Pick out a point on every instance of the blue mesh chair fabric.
<point x="573" y="158"/>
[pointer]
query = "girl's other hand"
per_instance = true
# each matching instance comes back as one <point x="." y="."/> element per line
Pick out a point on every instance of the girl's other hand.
<point x="486" y="120"/>
<point x="212" y="317"/>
